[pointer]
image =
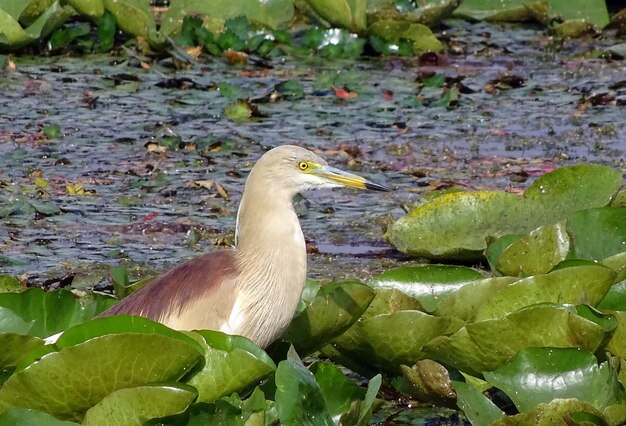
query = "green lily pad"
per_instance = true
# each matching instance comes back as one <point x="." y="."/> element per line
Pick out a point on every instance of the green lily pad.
<point x="272" y="13"/>
<point x="426" y="283"/>
<point x="554" y="413"/>
<point x="539" y="375"/>
<point x="497" y="247"/>
<point x="133" y="16"/>
<point x="487" y="345"/>
<point x="62" y="383"/>
<point x="345" y="399"/>
<point x="335" y="308"/>
<point x="615" y="298"/>
<point x="421" y="37"/>
<point x="15" y="347"/>
<point x="617" y="345"/>
<point x="389" y="340"/>
<point x="8" y="284"/>
<point x="464" y="302"/>
<point x="537" y="252"/>
<point x="457" y="225"/>
<point x="54" y="311"/>
<point x="133" y="406"/>
<point x="618" y="264"/>
<point x="299" y="399"/>
<point x="586" y="284"/>
<point x="349" y="14"/>
<point x="338" y="390"/>
<point x="232" y="363"/>
<point x="592" y="234"/>
<point x="14" y="35"/>
<point x="22" y="416"/>
<point x="98" y="327"/>
<point x="478" y="409"/>
<point x="94" y="9"/>
<point x="593" y="11"/>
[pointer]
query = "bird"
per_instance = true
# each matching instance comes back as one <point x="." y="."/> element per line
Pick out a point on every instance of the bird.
<point x="253" y="289"/>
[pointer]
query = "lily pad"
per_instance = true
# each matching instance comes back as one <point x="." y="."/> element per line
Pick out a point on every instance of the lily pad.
<point x="421" y="37"/>
<point x="232" y="363"/>
<point x="389" y="340"/>
<point x="426" y="283"/>
<point x="594" y="11"/>
<point x="487" y="345"/>
<point x="592" y="234"/>
<point x="9" y="284"/>
<point x="617" y="345"/>
<point x="457" y="225"/>
<point x="22" y="416"/>
<point x="15" y="347"/>
<point x="554" y="413"/>
<point x="464" y="302"/>
<point x="539" y="375"/>
<point x="335" y="308"/>
<point x="349" y="14"/>
<point x="133" y="406"/>
<point x="345" y="399"/>
<point x="62" y="383"/>
<point x="299" y="399"/>
<point x="478" y="409"/>
<point x="54" y="311"/>
<point x="578" y="284"/>
<point x="272" y="13"/>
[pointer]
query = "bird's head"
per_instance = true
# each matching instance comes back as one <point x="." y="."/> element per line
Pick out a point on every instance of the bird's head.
<point x="298" y="169"/>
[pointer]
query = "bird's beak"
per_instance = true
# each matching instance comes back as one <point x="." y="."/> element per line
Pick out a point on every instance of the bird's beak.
<point x="348" y="179"/>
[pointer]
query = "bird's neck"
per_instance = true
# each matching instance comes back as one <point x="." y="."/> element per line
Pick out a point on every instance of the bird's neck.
<point x="271" y="256"/>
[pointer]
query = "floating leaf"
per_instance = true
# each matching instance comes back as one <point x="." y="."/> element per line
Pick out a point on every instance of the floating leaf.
<point x="232" y="363"/>
<point x="486" y="345"/>
<point x="15" y="347"/>
<point x="426" y="283"/>
<point x="339" y="391"/>
<point x="578" y="284"/>
<point x="54" y="311"/>
<point x="478" y="409"/>
<point x="457" y="225"/>
<point x="335" y="308"/>
<point x="299" y="399"/>
<point x="389" y="340"/>
<point x="539" y="375"/>
<point x="421" y="37"/>
<point x="553" y="413"/>
<point x="428" y="381"/>
<point x="464" y="302"/>
<point x="21" y="416"/>
<point x="8" y="284"/>
<point x="133" y="406"/>
<point x="617" y="345"/>
<point x="62" y="383"/>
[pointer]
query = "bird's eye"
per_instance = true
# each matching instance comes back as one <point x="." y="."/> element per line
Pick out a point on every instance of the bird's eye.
<point x="302" y="165"/>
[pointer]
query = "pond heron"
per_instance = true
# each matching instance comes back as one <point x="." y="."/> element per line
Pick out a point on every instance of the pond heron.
<point x="254" y="289"/>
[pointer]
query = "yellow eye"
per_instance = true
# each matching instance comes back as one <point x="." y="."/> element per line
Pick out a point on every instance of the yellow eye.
<point x="302" y="165"/>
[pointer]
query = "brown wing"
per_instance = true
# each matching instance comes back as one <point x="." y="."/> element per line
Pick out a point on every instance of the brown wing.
<point x="202" y="279"/>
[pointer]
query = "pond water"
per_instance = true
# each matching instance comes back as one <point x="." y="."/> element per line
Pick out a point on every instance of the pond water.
<point x="142" y="209"/>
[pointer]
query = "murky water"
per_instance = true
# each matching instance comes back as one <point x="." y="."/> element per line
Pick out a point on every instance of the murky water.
<point x="110" y="110"/>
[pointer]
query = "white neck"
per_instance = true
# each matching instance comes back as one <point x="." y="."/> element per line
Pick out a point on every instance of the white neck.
<point x="271" y="256"/>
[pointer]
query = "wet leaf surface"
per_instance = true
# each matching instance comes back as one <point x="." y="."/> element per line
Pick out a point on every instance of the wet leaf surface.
<point x="487" y="345"/>
<point x="133" y="406"/>
<point x="456" y="225"/>
<point x="539" y="375"/>
<point x="426" y="283"/>
<point x="334" y="309"/>
<point x="232" y="363"/>
<point x="61" y="383"/>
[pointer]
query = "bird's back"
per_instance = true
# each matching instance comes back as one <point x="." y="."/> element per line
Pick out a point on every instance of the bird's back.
<point x="197" y="294"/>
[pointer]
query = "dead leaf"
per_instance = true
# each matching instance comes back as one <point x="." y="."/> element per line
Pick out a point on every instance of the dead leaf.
<point x="235" y="57"/>
<point x="207" y="184"/>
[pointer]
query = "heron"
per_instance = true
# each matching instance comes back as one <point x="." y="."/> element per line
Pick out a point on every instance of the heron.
<point x="253" y="289"/>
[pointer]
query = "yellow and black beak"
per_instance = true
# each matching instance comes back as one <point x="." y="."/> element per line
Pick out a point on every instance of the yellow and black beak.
<point x="347" y="179"/>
